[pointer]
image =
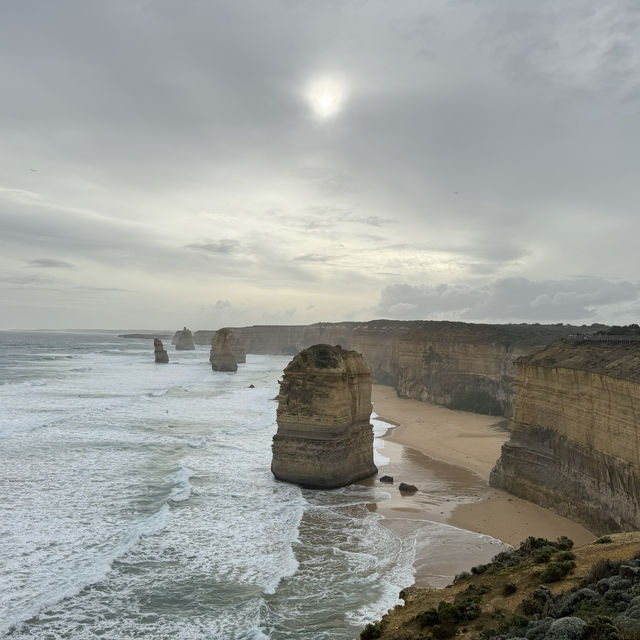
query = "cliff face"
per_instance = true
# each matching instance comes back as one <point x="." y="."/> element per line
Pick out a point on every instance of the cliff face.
<point x="222" y="346"/>
<point x="466" y="366"/>
<point x="160" y="354"/>
<point x="324" y="438"/>
<point x="575" y="441"/>
<point x="183" y="340"/>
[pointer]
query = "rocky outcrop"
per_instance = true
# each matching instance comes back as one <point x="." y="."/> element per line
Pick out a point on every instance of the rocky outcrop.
<point x="575" y="439"/>
<point x="161" y="355"/>
<point x="183" y="339"/>
<point x="234" y="343"/>
<point x="324" y="438"/>
<point x="465" y="366"/>
<point x="221" y="356"/>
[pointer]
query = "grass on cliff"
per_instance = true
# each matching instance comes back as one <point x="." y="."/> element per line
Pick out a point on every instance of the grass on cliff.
<point x="542" y="591"/>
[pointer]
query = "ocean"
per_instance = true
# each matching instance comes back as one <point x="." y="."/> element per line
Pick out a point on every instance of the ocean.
<point x="138" y="502"/>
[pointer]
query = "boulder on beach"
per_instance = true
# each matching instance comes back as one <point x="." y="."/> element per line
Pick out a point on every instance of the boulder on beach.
<point x="160" y="354"/>
<point x="407" y="488"/>
<point x="324" y="438"/>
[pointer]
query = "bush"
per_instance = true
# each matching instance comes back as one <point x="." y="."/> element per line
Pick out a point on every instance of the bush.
<point x="565" y="555"/>
<point x="428" y="618"/>
<point x="603" y="540"/>
<point x="564" y="543"/>
<point x="557" y="570"/>
<point x="532" y="606"/>
<point x="540" y="556"/>
<point x="371" y="631"/>
<point x="461" y="576"/>
<point x="444" y="631"/>
<point x="509" y="589"/>
<point x="601" y="628"/>
<point x="601" y="569"/>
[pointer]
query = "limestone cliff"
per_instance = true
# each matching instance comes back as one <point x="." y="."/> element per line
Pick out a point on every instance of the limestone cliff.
<point x="465" y="366"/>
<point x="575" y="441"/>
<point x="183" y="339"/>
<point x="161" y="356"/>
<point x="221" y="355"/>
<point x="237" y="348"/>
<point x="324" y="438"/>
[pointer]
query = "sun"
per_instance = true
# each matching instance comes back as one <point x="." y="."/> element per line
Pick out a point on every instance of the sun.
<point x="326" y="96"/>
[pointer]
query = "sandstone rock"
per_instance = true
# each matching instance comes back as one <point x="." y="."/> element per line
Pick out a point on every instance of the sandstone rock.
<point x="237" y="347"/>
<point x="387" y="479"/>
<point x="324" y="438"/>
<point x="221" y="355"/>
<point x="160" y="354"/>
<point x="184" y="340"/>
<point x="407" y="488"/>
<point x="575" y="437"/>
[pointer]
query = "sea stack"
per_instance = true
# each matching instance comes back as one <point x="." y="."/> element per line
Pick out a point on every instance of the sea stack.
<point x="237" y="348"/>
<point x="184" y="340"/>
<point x="324" y="438"/>
<point x="221" y="356"/>
<point x="158" y="348"/>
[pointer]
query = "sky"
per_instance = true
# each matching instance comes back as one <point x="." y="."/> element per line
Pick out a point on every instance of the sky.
<point x="212" y="163"/>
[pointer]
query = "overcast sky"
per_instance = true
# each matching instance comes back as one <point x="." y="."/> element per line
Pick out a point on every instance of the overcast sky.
<point x="260" y="161"/>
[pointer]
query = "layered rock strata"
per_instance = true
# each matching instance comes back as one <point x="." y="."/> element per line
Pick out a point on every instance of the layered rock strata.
<point x="575" y="439"/>
<point x="159" y="352"/>
<point x="237" y="348"/>
<point x="465" y="366"/>
<point x="183" y="340"/>
<point x="324" y="438"/>
<point x="221" y="355"/>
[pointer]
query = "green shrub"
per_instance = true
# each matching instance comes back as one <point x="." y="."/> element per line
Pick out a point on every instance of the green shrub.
<point x="565" y="555"/>
<point x="428" y="618"/>
<point x="531" y="606"/>
<point x="603" y="568"/>
<point x="461" y="576"/>
<point x="444" y="631"/>
<point x="540" y="556"/>
<point x="509" y="589"/>
<point x="603" y="540"/>
<point x="601" y="628"/>
<point x="371" y="631"/>
<point x="555" y="571"/>
<point x="564" y="543"/>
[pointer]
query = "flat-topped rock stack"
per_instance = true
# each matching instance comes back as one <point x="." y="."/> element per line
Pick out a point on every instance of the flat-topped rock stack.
<point x="237" y="346"/>
<point x="160" y="354"/>
<point x="184" y="340"/>
<point x="324" y="438"/>
<point x="222" y="356"/>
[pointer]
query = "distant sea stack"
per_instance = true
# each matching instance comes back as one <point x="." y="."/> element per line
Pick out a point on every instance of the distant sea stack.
<point x="221" y="356"/>
<point x="324" y="438"/>
<point x="161" y="355"/>
<point x="575" y="439"/>
<point x="184" y="340"/>
<point x="237" y="347"/>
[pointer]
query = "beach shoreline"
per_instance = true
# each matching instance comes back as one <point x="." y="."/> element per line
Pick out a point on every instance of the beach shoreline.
<point x="449" y="455"/>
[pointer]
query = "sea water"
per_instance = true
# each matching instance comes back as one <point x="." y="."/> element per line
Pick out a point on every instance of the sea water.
<point x="136" y="500"/>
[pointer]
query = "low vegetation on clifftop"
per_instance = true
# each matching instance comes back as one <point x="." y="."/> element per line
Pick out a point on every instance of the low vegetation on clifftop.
<point x="541" y="591"/>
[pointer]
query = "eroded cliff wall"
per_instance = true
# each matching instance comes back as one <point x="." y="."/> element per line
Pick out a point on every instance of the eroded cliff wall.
<point x="465" y="366"/>
<point x="575" y="439"/>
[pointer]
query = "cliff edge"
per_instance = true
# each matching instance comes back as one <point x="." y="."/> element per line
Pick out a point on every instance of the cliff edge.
<point x="575" y="439"/>
<point x="324" y="438"/>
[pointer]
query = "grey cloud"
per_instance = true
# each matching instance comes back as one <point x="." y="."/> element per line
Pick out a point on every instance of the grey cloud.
<point x="223" y="247"/>
<point x="509" y="299"/>
<point x="50" y="263"/>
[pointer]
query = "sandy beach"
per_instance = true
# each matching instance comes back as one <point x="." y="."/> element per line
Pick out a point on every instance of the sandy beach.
<point x="448" y="455"/>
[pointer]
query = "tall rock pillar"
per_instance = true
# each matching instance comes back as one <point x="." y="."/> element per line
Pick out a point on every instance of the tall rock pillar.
<point x="324" y="438"/>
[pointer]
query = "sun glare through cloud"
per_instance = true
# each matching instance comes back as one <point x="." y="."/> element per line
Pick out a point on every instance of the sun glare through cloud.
<point x="326" y="96"/>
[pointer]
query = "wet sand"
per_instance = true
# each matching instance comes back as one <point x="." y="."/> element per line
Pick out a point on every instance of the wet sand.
<point x="448" y="455"/>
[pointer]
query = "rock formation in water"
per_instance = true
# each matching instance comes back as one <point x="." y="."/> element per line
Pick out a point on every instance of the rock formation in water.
<point x="160" y="354"/>
<point x="575" y="440"/>
<point x="234" y="343"/>
<point x="324" y="438"/>
<point x="184" y="340"/>
<point x="461" y="365"/>
<point x="221" y="355"/>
